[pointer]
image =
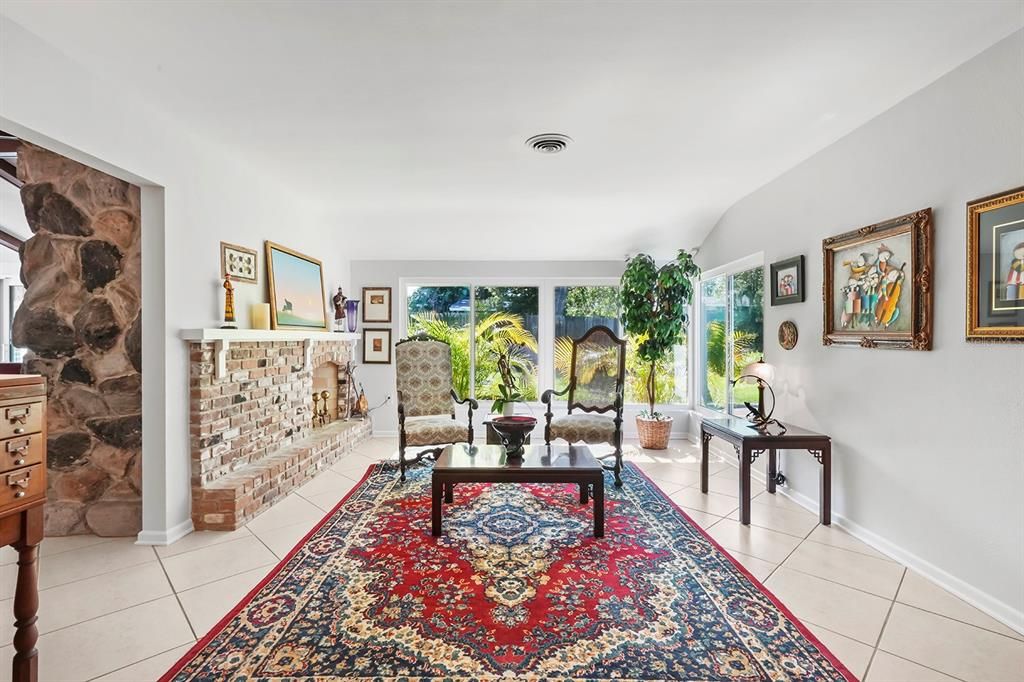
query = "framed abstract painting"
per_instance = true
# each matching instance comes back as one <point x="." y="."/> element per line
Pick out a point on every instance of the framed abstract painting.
<point x="877" y="289"/>
<point x="995" y="267"/>
<point x="296" y="285"/>
<point x="787" y="281"/>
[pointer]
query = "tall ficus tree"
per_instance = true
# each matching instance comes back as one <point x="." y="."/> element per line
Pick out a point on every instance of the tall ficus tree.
<point x="654" y="305"/>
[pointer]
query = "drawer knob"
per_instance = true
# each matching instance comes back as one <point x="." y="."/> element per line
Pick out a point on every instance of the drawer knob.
<point x="18" y="431"/>
<point x="19" y="462"/>
<point x="20" y="493"/>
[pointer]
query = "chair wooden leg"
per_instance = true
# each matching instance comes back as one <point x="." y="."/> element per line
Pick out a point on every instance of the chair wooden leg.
<point x="618" y="467"/>
<point x="401" y="465"/>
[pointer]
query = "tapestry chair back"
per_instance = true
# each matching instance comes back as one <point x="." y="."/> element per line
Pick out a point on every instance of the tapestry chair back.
<point x="599" y="370"/>
<point x="424" y="376"/>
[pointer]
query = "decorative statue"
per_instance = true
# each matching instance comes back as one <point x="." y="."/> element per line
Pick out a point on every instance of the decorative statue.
<point x="339" y="310"/>
<point x="229" y="304"/>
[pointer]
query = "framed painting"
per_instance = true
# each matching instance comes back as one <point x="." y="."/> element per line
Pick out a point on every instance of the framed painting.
<point x="877" y="290"/>
<point x="296" y="285"/>
<point x="238" y="262"/>
<point x="376" y="346"/>
<point x="377" y="304"/>
<point x="995" y="267"/>
<point x="787" y="281"/>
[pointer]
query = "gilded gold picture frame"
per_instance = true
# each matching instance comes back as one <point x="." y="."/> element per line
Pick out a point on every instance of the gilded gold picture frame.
<point x="989" y="217"/>
<point x="914" y="232"/>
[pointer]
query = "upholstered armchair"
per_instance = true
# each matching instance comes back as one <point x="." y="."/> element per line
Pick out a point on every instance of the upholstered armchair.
<point x="597" y="381"/>
<point x="426" y="400"/>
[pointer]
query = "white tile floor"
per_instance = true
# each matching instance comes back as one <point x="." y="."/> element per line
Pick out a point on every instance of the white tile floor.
<point x="114" y="611"/>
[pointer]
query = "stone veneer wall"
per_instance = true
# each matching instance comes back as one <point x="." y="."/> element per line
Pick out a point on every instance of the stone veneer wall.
<point x="81" y="321"/>
<point x="251" y="430"/>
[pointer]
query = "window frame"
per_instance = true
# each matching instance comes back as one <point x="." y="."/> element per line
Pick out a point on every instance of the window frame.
<point x="754" y="260"/>
<point x="545" y="322"/>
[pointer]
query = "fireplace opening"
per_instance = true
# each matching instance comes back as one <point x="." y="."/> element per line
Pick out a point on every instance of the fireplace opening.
<point x="326" y="395"/>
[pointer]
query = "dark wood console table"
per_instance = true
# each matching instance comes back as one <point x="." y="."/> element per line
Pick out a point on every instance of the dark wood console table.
<point x="22" y="495"/>
<point x="749" y="443"/>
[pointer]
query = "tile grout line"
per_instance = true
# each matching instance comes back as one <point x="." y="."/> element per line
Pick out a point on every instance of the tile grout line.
<point x="922" y="665"/>
<point x="881" y="631"/>
<point x="956" y="620"/>
<point x="111" y="672"/>
<point x="798" y="545"/>
<point x="181" y="606"/>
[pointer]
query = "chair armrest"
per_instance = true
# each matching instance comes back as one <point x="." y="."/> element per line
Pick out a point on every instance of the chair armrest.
<point x="473" y="405"/>
<point x="545" y="397"/>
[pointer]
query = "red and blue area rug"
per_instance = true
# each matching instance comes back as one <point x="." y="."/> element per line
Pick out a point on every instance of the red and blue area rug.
<point x="516" y="589"/>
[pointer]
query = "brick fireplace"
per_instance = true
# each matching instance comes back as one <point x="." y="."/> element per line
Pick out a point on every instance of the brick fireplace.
<point x="252" y="432"/>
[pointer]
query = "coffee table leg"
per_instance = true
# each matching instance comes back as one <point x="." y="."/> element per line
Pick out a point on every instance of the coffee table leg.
<point x="599" y="507"/>
<point x="745" y="485"/>
<point x="449" y="492"/>
<point x="584" y="493"/>
<point x="436" y="493"/>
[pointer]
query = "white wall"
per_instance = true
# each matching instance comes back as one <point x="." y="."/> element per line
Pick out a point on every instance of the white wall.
<point x="194" y="195"/>
<point x="928" y="446"/>
<point x="379" y="380"/>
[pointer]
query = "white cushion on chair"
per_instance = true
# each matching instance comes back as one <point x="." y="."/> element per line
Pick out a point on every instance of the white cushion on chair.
<point x="435" y="431"/>
<point x="589" y="428"/>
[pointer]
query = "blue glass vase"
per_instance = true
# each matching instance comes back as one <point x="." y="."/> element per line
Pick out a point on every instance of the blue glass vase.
<point x="351" y="310"/>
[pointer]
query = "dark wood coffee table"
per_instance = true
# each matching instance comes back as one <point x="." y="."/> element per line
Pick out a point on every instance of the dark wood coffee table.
<point x="461" y="463"/>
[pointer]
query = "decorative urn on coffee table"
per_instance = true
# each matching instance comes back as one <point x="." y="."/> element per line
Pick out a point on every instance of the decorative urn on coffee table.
<point x="513" y="432"/>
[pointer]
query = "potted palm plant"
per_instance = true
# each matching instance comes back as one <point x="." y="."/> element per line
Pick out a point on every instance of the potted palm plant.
<point x="654" y="305"/>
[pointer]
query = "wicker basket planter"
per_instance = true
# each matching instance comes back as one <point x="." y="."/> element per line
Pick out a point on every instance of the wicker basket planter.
<point x="653" y="433"/>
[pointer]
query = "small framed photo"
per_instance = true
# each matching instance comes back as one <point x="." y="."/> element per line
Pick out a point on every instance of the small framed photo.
<point x="376" y="346"/>
<point x="787" y="281"/>
<point x="238" y="262"/>
<point x="377" y="304"/>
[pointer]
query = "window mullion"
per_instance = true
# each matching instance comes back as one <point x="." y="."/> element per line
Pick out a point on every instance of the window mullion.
<point x="472" y="340"/>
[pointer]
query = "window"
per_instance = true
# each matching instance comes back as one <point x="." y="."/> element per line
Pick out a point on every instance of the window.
<point x="530" y="326"/>
<point x="504" y="322"/>
<point x="443" y="313"/>
<point x="506" y="331"/>
<point x="577" y="309"/>
<point x="732" y="336"/>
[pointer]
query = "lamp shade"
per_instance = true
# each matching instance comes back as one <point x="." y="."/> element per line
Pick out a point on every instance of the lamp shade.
<point x="761" y="370"/>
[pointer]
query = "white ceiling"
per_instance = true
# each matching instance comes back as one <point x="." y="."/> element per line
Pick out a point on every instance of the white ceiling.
<point x="405" y="121"/>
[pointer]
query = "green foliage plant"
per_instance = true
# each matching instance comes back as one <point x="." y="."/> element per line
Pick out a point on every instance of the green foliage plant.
<point x="654" y="305"/>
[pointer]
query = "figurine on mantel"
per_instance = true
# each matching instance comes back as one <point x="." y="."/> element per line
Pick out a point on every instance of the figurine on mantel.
<point x="339" y="310"/>
<point x="229" y="304"/>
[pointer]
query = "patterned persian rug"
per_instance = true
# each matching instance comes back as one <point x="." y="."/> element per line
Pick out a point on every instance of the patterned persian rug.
<point x="516" y="589"/>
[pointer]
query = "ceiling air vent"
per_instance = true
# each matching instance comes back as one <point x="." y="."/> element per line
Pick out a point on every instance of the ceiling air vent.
<point x="548" y="143"/>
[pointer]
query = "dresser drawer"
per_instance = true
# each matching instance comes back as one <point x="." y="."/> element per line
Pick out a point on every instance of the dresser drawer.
<point x="22" y="485"/>
<point x="21" y="419"/>
<point x="22" y="451"/>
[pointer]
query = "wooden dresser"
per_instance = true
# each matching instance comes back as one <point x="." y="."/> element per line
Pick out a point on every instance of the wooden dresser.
<point x="22" y="495"/>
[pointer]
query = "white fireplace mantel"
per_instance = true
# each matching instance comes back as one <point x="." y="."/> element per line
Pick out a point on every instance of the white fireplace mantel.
<point x="223" y="338"/>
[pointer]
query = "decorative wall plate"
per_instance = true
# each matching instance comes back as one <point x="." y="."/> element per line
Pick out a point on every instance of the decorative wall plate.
<point x="788" y="335"/>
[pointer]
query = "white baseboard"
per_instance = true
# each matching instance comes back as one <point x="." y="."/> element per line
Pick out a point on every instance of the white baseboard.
<point x="165" y="537"/>
<point x="979" y="599"/>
